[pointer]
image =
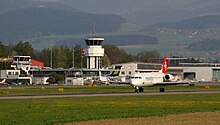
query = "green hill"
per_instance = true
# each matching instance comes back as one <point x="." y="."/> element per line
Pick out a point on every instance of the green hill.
<point x="148" y="11"/>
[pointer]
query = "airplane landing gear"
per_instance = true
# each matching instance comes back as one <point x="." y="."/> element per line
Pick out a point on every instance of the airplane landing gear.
<point x="137" y="89"/>
<point x="141" y="89"/>
<point x="162" y="89"/>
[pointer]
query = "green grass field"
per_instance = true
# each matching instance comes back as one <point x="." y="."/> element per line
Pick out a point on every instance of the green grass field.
<point x="65" y="110"/>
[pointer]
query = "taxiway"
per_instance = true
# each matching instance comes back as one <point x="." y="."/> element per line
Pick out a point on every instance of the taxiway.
<point x="41" y="96"/>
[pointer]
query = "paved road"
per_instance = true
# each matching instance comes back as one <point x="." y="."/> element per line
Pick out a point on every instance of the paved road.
<point x="168" y="92"/>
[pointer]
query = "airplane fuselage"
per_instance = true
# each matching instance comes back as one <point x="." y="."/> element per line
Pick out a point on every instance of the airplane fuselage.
<point x="146" y="79"/>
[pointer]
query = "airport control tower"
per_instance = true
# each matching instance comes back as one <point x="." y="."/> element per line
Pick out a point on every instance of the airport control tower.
<point x="94" y="52"/>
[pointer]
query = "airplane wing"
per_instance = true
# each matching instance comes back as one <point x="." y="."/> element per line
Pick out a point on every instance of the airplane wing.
<point x="170" y="83"/>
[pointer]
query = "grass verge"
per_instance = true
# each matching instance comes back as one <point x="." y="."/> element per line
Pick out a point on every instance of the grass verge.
<point x="5" y="90"/>
<point x="66" y="110"/>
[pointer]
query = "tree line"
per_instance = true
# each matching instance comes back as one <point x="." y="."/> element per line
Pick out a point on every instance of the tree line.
<point x="62" y="56"/>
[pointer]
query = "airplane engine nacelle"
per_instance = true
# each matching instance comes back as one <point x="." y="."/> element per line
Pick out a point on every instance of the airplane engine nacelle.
<point x="168" y="77"/>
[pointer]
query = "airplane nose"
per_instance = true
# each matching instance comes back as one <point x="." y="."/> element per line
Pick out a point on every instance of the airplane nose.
<point x="131" y="82"/>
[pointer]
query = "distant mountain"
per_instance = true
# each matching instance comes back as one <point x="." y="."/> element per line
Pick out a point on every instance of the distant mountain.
<point x="12" y="5"/>
<point x="201" y="22"/>
<point x="29" y="20"/>
<point x="6" y="6"/>
<point x="148" y="11"/>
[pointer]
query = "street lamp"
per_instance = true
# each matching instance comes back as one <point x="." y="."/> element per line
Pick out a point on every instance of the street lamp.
<point x="73" y="55"/>
<point x="51" y="55"/>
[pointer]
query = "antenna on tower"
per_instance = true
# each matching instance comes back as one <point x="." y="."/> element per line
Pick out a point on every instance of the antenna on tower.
<point x="93" y="29"/>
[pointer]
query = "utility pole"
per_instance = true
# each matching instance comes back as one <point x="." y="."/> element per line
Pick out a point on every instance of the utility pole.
<point x="139" y="58"/>
<point x="51" y="55"/>
<point x="73" y="55"/>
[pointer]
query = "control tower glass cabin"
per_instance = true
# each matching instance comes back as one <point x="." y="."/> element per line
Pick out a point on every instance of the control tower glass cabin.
<point x="94" y="52"/>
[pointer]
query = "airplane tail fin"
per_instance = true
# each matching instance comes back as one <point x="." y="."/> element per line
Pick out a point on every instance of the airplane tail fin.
<point x="164" y="65"/>
<point x="116" y="71"/>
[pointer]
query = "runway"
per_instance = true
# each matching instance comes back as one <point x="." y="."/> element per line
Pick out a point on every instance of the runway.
<point x="42" y="96"/>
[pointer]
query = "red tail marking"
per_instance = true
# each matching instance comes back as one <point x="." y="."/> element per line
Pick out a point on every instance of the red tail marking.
<point x="164" y="66"/>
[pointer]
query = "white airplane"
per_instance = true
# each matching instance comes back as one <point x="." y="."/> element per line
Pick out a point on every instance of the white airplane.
<point x="3" y="82"/>
<point x="161" y="78"/>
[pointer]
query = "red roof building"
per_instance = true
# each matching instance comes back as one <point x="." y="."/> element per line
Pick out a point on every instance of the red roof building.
<point x="37" y="63"/>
